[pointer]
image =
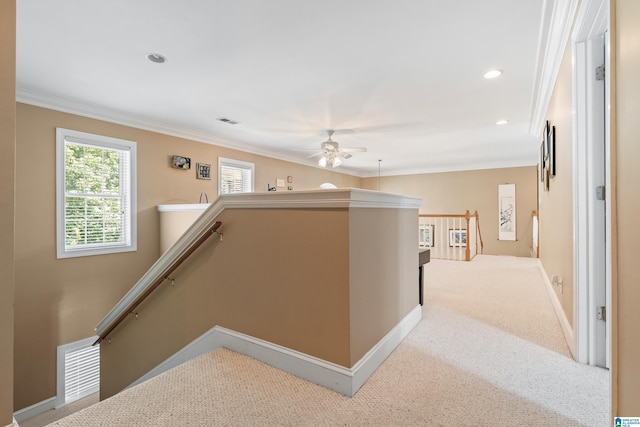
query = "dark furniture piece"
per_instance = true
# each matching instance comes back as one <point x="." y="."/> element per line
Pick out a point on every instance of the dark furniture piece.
<point x="424" y="256"/>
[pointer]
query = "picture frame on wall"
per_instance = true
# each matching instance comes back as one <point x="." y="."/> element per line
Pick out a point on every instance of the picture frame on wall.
<point x="457" y="238"/>
<point x="203" y="171"/>
<point x="541" y="166"/>
<point x="181" y="162"/>
<point x="426" y="238"/>
<point x="552" y="151"/>
<point x="547" y="131"/>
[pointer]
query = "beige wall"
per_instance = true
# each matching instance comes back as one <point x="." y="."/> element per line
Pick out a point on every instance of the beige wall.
<point x="60" y="301"/>
<point x="7" y="187"/>
<point x="257" y="282"/>
<point x="383" y="273"/>
<point x="318" y="281"/>
<point x="626" y="124"/>
<point x="556" y="205"/>
<point x="456" y="192"/>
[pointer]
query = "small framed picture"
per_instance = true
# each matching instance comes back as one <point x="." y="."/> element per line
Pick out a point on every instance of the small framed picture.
<point x="542" y="162"/>
<point x="552" y="151"/>
<point x="279" y="182"/>
<point x="181" y="162"/>
<point x="457" y="238"/>
<point x="547" y="132"/>
<point x="425" y="238"/>
<point x="289" y="179"/>
<point x="203" y="171"/>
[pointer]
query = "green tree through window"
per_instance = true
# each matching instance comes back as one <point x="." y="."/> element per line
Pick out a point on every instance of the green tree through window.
<point x="93" y="207"/>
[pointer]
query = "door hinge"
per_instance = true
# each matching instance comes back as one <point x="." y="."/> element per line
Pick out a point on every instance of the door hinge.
<point x="600" y="192"/>
<point x="602" y="313"/>
<point x="600" y="74"/>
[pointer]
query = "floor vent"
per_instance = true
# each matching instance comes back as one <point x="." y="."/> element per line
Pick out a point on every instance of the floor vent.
<point x="78" y="370"/>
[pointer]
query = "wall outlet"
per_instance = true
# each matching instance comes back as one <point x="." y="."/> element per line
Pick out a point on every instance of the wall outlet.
<point x="560" y="283"/>
<point x="554" y="279"/>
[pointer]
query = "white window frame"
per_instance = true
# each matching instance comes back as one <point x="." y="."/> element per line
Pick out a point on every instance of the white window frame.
<point x="62" y="352"/>
<point x="63" y="135"/>
<point x="238" y="164"/>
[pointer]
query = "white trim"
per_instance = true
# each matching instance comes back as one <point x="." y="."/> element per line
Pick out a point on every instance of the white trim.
<point x="320" y="199"/>
<point x="580" y="211"/>
<point x="591" y="22"/>
<point x="557" y="307"/>
<point x="35" y="409"/>
<point x="14" y="423"/>
<point x="63" y="135"/>
<point x="99" y="112"/>
<point x="557" y="20"/>
<point x="238" y="164"/>
<point x="343" y="380"/>
<point x="366" y="366"/>
<point x="608" y="185"/>
<point x="180" y="207"/>
<point x="81" y="108"/>
<point x="340" y="198"/>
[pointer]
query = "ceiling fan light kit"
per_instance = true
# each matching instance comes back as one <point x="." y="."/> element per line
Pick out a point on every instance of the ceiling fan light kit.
<point x="329" y="160"/>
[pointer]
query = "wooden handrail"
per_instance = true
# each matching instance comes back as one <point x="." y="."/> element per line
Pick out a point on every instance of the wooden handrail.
<point x="466" y="216"/>
<point x="477" y="215"/>
<point x="442" y="215"/>
<point x="159" y="278"/>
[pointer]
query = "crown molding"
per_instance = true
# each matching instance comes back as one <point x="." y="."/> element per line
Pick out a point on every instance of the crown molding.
<point x="591" y="19"/>
<point x="557" y="22"/>
<point x="99" y="112"/>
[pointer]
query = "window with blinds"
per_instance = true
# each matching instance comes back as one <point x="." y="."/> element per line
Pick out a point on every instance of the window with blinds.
<point x="78" y="370"/>
<point x="235" y="176"/>
<point x="96" y="194"/>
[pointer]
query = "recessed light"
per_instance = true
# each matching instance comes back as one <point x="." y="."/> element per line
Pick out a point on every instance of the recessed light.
<point x="502" y="122"/>
<point x="492" y="74"/>
<point x="156" y="57"/>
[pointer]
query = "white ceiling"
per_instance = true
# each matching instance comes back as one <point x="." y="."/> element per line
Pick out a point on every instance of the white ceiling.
<point x="403" y="78"/>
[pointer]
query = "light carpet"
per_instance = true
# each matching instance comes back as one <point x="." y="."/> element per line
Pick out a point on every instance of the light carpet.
<point x="476" y="359"/>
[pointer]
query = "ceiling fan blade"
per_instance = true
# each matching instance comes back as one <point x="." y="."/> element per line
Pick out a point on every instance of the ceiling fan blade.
<point x="380" y="128"/>
<point x="316" y="154"/>
<point x="353" y="150"/>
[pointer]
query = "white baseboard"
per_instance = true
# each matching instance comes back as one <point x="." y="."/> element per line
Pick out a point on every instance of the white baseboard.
<point x="567" y="330"/>
<point x="35" y="409"/>
<point x="343" y="380"/>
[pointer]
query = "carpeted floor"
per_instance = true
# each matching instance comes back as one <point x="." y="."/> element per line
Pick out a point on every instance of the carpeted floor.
<point x="488" y="352"/>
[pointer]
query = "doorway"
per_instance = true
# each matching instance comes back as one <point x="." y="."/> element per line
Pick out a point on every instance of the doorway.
<point x="590" y="177"/>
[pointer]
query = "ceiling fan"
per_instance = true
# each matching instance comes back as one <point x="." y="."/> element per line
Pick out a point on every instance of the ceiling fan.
<point x="332" y="153"/>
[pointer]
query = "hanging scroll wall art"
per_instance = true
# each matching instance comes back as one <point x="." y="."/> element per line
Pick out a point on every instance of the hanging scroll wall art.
<point x="507" y="212"/>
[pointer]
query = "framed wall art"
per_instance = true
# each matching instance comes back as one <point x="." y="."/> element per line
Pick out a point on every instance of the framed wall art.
<point x="552" y="151"/>
<point x="507" y="212"/>
<point x="181" y="162"/>
<point x="425" y="238"/>
<point x="457" y="238"/>
<point x="203" y="171"/>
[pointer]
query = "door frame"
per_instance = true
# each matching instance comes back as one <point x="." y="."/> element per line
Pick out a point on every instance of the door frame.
<point x="591" y="22"/>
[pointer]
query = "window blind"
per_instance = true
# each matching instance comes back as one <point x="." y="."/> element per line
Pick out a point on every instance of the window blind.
<point x="96" y="196"/>
<point x="235" y="176"/>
